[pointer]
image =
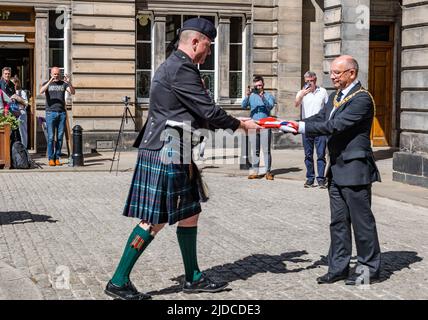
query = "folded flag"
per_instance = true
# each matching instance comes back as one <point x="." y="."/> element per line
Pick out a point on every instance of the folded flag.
<point x="274" y="123"/>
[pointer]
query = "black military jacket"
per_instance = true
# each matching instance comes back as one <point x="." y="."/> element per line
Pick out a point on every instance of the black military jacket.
<point x="351" y="158"/>
<point x="177" y="94"/>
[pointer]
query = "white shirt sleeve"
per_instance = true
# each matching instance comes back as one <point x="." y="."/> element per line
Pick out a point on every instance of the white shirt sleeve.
<point x="301" y="127"/>
<point x="326" y="96"/>
<point x="24" y="96"/>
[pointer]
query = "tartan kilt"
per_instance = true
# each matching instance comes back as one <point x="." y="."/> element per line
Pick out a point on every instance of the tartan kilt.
<point x="161" y="192"/>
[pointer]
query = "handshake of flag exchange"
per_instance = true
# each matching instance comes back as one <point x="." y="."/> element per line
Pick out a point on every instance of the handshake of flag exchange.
<point x="275" y="123"/>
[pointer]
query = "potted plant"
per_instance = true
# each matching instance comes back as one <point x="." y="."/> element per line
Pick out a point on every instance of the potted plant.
<point x="7" y="123"/>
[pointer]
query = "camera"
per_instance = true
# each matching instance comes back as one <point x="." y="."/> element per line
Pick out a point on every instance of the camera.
<point x="126" y="99"/>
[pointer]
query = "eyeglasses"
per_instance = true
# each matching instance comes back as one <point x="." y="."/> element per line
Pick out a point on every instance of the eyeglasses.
<point x="338" y="74"/>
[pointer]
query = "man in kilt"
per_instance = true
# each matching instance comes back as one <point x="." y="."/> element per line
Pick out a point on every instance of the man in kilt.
<point x="165" y="191"/>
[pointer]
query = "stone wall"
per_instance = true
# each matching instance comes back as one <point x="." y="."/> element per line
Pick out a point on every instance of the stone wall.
<point x="410" y="165"/>
<point x="103" y="67"/>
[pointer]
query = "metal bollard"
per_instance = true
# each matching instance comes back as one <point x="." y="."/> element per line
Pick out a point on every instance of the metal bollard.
<point x="77" y="146"/>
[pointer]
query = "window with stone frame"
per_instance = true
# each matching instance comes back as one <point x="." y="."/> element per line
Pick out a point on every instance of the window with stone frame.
<point x="208" y="69"/>
<point x="236" y="57"/>
<point x="56" y="40"/>
<point x="144" y="55"/>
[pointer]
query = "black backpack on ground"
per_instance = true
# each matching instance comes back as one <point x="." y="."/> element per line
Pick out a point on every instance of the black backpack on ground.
<point x="20" y="157"/>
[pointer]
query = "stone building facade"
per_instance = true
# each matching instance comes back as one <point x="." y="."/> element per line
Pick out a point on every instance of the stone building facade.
<point x="111" y="49"/>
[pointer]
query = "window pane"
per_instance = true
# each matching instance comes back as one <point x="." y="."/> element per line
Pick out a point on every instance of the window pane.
<point x="235" y="61"/>
<point x="209" y="61"/>
<point x="143" y="84"/>
<point x="144" y="56"/>
<point x="235" y="84"/>
<point x="172" y="24"/>
<point x="235" y="30"/>
<point x="16" y="16"/>
<point x="144" y="28"/>
<point x="210" y="18"/>
<point x="56" y="24"/>
<point x="187" y="17"/>
<point x="208" y="78"/>
<point x="379" y="33"/>
<point x="56" y="53"/>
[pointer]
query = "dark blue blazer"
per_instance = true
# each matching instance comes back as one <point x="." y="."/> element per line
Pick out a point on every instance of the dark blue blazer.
<point x="177" y="93"/>
<point x="351" y="157"/>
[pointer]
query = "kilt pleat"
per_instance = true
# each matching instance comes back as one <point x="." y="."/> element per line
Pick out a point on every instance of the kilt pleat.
<point x="161" y="192"/>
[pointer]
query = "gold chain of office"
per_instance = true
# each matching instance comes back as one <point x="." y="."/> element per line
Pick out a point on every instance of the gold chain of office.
<point x="339" y="104"/>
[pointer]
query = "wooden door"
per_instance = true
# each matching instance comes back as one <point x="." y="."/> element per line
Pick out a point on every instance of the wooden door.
<point x="381" y="87"/>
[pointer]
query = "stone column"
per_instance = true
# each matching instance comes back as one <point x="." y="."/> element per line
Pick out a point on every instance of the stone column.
<point x="289" y="70"/>
<point x="248" y="44"/>
<point x="346" y="31"/>
<point x="411" y="163"/>
<point x="41" y="63"/>
<point x="67" y="41"/>
<point x="67" y="47"/>
<point x="158" y="40"/>
<point x="223" y="43"/>
<point x="41" y="59"/>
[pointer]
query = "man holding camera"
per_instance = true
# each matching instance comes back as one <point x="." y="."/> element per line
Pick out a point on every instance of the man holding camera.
<point x="54" y="89"/>
<point x="260" y="103"/>
<point x="312" y="99"/>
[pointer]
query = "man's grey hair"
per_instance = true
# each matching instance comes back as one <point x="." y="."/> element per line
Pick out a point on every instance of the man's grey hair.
<point x="353" y="64"/>
<point x="6" y="69"/>
<point x="310" y="74"/>
<point x="188" y="34"/>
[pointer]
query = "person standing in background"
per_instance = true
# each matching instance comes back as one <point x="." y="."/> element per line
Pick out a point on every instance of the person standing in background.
<point x="312" y="99"/>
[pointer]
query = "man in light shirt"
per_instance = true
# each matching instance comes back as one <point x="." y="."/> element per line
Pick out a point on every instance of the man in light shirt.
<point x="312" y="99"/>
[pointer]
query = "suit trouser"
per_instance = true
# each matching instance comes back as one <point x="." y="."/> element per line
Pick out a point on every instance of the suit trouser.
<point x="352" y="205"/>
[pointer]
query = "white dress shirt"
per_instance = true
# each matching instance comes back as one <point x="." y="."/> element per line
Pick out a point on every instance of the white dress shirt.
<point x="345" y="93"/>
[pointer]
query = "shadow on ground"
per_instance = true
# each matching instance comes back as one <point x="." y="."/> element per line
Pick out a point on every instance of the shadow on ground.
<point x="245" y="268"/>
<point x="391" y="262"/>
<point x="15" y="217"/>
<point x="285" y="170"/>
<point x="384" y="154"/>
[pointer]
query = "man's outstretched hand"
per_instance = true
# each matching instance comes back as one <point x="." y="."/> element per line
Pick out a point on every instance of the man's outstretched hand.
<point x="249" y="124"/>
<point x="290" y="126"/>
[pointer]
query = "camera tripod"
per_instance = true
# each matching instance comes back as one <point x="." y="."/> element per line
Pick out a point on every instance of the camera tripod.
<point x="124" y="120"/>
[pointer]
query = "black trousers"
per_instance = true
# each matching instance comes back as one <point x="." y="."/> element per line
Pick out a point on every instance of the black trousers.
<point x="352" y="206"/>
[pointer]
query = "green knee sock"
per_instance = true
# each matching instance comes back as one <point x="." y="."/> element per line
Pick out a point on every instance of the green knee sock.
<point x="187" y="241"/>
<point x="137" y="243"/>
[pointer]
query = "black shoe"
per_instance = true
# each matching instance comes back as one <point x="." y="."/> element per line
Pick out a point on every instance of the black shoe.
<point x="204" y="284"/>
<point x="329" y="278"/>
<point x="322" y="184"/>
<point x="309" y="184"/>
<point x="358" y="279"/>
<point x="126" y="292"/>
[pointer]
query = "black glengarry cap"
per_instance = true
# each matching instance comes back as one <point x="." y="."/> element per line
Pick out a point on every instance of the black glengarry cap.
<point x="201" y="25"/>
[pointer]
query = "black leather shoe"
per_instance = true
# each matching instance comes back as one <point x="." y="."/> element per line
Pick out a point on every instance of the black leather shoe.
<point x="309" y="184"/>
<point x="204" y="284"/>
<point x="358" y="279"/>
<point x="126" y="292"/>
<point x="322" y="184"/>
<point x="329" y="278"/>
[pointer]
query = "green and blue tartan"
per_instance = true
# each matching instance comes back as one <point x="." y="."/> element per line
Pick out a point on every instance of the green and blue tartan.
<point x="161" y="192"/>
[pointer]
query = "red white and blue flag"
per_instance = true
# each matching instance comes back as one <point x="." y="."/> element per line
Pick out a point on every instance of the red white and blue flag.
<point x="275" y="123"/>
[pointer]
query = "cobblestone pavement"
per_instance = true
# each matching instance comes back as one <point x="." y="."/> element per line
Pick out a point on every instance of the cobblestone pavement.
<point x="267" y="238"/>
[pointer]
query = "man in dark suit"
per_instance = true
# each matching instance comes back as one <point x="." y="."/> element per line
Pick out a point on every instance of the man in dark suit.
<point x="168" y="192"/>
<point x="347" y="120"/>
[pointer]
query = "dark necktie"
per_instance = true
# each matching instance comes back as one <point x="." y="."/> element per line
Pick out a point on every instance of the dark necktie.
<point x="339" y="96"/>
